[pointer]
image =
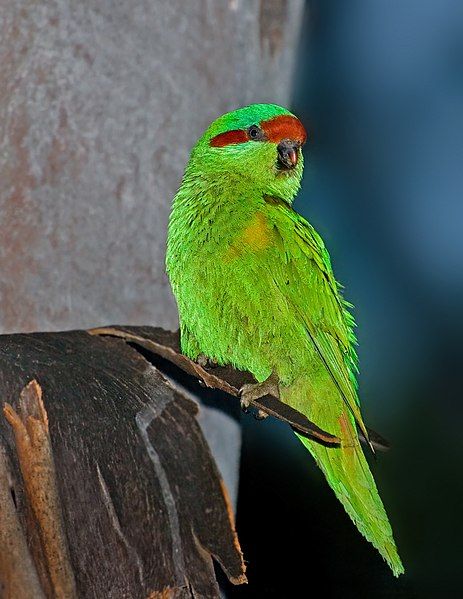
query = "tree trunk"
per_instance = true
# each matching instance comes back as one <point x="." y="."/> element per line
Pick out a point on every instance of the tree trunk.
<point x="100" y="103"/>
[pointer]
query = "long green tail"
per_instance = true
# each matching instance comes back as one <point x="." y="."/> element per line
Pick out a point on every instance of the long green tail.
<point x="348" y="474"/>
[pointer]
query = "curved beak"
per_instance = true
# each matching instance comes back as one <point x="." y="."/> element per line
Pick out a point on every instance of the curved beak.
<point x="288" y="153"/>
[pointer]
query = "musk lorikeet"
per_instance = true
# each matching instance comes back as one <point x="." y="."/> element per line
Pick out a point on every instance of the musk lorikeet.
<point x="255" y="289"/>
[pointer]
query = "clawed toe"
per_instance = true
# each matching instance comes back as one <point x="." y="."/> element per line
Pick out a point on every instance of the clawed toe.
<point x="245" y="404"/>
<point x="206" y="362"/>
<point x="260" y="415"/>
<point x="254" y="391"/>
<point x="202" y="360"/>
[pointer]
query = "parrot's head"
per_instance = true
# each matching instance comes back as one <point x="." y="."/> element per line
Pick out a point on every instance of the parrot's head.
<point x="258" y="145"/>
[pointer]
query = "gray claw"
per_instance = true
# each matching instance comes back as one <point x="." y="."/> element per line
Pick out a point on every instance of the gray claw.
<point x="260" y="415"/>
<point x="252" y="392"/>
<point x="202" y="360"/>
<point x="245" y="404"/>
<point x="206" y="362"/>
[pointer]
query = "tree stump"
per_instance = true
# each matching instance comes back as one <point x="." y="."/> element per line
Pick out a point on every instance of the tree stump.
<point x="107" y="486"/>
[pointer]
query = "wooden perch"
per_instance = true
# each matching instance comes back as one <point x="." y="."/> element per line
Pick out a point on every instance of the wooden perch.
<point x="167" y="345"/>
<point x="107" y="485"/>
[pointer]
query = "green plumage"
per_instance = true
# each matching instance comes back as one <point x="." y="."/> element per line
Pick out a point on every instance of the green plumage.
<point x="255" y="289"/>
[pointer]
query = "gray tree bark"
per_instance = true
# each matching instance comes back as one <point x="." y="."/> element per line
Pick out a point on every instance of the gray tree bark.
<point x="100" y="102"/>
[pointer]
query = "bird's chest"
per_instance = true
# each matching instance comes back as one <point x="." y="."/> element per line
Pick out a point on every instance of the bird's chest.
<point x="229" y="280"/>
<point x="233" y="259"/>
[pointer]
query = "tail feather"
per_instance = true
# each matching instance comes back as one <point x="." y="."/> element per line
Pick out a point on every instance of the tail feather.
<point x="348" y="474"/>
<point x="344" y="466"/>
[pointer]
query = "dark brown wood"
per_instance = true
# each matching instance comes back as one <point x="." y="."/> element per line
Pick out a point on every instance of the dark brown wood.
<point x="135" y="506"/>
<point x="167" y="345"/>
<point x="18" y="575"/>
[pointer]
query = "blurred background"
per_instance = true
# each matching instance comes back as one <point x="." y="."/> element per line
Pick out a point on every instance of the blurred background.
<point x="100" y="103"/>
<point x="380" y="85"/>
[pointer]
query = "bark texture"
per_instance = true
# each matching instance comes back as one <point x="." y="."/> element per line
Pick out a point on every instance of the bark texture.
<point x="107" y="485"/>
<point x="100" y="102"/>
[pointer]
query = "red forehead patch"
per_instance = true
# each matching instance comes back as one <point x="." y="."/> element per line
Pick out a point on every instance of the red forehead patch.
<point x="284" y="126"/>
<point x="275" y="129"/>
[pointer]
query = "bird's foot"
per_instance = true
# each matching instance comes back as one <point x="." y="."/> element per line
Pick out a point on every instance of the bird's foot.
<point x="260" y="415"/>
<point x="206" y="362"/>
<point x="252" y="392"/>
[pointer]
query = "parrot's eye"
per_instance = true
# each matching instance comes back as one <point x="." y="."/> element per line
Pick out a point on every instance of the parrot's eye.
<point x="255" y="133"/>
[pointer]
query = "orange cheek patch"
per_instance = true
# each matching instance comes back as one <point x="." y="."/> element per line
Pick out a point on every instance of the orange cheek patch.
<point x="284" y="127"/>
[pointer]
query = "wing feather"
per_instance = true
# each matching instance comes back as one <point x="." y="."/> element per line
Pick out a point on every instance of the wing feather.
<point x="324" y="311"/>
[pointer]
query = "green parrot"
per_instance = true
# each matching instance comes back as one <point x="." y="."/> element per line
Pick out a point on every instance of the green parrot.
<point x="255" y="289"/>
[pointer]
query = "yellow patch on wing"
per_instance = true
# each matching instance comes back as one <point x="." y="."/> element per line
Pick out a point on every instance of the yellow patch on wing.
<point x="258" y="235"/>
<point x="348" y="437"/>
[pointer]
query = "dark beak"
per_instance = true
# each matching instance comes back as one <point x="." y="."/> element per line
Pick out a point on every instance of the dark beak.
<point x="287" y="154"/>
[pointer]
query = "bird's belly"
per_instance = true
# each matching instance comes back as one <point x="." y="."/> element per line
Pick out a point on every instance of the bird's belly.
<point x="236" y="315"/>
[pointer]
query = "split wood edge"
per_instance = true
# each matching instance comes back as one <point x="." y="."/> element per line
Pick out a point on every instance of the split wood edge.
<point x="33" y="446"/>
